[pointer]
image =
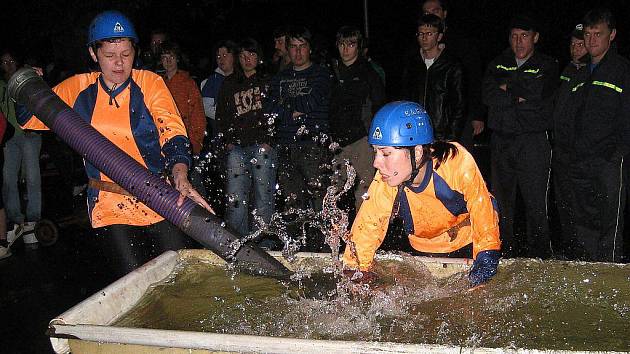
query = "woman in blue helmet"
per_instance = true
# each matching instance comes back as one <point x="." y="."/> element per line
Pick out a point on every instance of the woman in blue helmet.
<point x="134" y="110"/>
<point x="435" y="187"/>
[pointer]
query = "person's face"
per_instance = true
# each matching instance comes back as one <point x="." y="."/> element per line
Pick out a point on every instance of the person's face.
<point x="393" y="164"/>
<point x="280" y="45"/>
<point x="299" y="53"/>
<point x="169" y="62"/>
<point x="9" y="66"/>
<point x="115" y="59"/>
<point x="225" y="60"/>
<point x="577" y="49"/>
<point x="597" y="39"/>
<point x="523" y="42"/>
<point x="428" y="37"/>
<point x="348" y="50"/>
<point x="156" y="41"/>
<point x="434" y="8"/>
<point x="249" y="61"/>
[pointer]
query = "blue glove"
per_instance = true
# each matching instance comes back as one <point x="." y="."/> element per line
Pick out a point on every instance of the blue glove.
<point x="484" y="267"/>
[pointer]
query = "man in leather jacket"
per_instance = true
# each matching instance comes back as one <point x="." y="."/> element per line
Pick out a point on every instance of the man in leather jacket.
<point x="435" y="79"/>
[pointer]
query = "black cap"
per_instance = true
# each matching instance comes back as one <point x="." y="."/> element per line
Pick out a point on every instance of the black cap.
<point x="524" y="22"/>
<point x="578" y="31"/>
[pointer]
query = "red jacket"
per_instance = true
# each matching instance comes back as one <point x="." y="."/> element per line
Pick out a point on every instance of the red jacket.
<point x="190" y="106"/>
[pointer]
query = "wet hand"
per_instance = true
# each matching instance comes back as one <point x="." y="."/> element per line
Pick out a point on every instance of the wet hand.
<point x="478" y="126"/>
<point x="361" y="277"/>
<point x="39" y="71"/>
<point x="295" y="115"/>
<point x="185" y="189"/>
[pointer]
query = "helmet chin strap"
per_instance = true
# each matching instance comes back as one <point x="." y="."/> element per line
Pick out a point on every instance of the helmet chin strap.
<point x="414" y="167"/>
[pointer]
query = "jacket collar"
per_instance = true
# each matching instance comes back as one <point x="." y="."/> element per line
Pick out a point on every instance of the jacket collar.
<point x="117" y="90"/>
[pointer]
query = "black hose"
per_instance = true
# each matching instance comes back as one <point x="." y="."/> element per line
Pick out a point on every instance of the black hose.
<point x="27" y="88"/>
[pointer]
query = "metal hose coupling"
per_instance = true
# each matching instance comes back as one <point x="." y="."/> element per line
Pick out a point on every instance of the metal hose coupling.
<point x="18" y="82"/>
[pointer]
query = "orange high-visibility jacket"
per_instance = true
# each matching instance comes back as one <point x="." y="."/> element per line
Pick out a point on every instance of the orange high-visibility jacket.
<point x="140" y="118"/>
<point x="448" y="210"/>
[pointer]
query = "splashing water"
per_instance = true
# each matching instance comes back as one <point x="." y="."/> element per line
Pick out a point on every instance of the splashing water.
<point x="331" y="221"/>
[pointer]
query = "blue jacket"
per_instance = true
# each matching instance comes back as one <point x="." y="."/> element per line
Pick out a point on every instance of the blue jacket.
<point x="306" y="91"/>
<point x="210" y="92"/>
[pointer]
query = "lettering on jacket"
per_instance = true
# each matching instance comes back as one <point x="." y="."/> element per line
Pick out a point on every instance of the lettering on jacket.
<point x="295" y="87"/>
<point x="248" y="100"/>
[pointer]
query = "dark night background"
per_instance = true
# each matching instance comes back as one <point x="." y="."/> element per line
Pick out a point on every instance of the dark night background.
<point x="37" y="285"/>
<point x="56" y="30"/>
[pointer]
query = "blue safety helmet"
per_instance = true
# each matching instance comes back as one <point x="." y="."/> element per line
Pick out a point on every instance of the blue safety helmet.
<point x="401" y="123"/>
<point x="111" y="24"/>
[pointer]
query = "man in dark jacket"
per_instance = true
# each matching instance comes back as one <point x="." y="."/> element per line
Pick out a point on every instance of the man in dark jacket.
<point x="579" y="59"/>
<point x="592" y="136"/>
<point x="435" y="79"/>
<point x="518" y="89"/>
<point x="298" y="102"/>
<point x="465" y="49"/>
<point x="578" y="53"/>
<point x="357" y="94"/>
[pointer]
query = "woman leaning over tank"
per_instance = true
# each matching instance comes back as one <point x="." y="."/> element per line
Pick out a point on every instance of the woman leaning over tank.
<point x="434" y="186"/>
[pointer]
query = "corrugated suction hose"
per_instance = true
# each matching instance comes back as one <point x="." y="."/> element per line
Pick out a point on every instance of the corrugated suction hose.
<point x="27" y="88"/>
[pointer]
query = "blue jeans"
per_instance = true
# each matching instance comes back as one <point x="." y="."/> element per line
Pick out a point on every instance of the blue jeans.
<point x="250" y="169"/>
<point x="21" y="153"/>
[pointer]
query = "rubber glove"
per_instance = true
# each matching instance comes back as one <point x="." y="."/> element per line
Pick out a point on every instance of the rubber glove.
<point x="484" y="267"/>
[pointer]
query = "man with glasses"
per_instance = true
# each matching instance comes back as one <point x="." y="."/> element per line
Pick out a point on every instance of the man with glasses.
<point x="518" y="89"/>
<point x="434" y="78"/>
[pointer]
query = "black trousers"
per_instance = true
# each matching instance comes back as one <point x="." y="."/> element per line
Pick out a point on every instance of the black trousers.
<point x="591" y="201"/>
<point x="128" y="247"/>
<point x="522" y="163"/>
<point x="303" y="175"/>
